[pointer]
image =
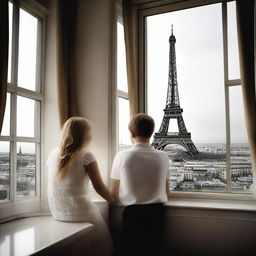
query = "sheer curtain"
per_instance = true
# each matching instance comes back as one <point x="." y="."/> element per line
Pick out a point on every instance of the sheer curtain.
<point x="67" y="95"/>
<point x="131" y="43"/>
<point x="4" y="41"/>
<point x="246" y="39"/>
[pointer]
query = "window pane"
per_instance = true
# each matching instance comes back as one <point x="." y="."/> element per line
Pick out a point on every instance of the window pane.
<point x="241" y="165"/>
<point x="26" y="170"/>
<point x="27" y="51"/>
<point x="4" y="171"/>
<point x="28" y="116"/>
<point x="123" y="120"/>
<point x="6" y="124"/>
<point x="121" y="59"/>
<point x="199" y="63"/>
<point x="9" y="79"/>
<point x="233" y="55"/>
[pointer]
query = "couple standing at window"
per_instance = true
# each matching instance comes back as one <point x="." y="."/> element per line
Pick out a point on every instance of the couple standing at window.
<point x="139" y="182"/>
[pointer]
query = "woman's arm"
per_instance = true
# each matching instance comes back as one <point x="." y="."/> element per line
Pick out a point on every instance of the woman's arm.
<point x="95" y="177"/>
<point x="115" y="188"/>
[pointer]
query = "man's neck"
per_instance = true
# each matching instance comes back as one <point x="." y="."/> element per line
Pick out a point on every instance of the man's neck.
<point x="141" y="139"/>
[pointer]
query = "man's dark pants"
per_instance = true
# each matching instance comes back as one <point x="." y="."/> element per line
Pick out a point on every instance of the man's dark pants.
<point x="144" y="228"/>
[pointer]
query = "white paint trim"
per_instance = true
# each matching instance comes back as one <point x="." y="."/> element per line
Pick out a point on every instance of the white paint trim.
<point x="16" y="206"/>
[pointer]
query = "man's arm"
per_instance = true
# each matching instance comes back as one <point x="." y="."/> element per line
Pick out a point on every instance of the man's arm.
<point x="115" y="188"/>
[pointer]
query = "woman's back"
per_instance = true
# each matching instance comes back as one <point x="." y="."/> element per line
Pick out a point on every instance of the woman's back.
<point x="67" y="196"/>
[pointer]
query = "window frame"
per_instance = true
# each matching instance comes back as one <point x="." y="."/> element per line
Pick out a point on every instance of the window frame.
<point x="117" y="92"/>
<point x="16" y="206"/>
<point x="145" y="10"/>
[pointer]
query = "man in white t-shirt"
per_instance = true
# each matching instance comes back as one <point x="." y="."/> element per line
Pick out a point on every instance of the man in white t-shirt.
<point x="140" y="181"/>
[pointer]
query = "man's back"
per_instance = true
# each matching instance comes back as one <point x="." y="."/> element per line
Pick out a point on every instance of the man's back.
<point x="142" y="172"/>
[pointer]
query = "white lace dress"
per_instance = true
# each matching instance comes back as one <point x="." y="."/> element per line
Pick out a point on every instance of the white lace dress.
<point x="68" y="199"/>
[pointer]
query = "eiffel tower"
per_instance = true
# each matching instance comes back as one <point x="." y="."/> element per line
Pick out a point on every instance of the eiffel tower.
<point x="173" y="111"/>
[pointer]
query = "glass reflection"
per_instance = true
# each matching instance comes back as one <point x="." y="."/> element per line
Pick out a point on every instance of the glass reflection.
<point x="24" y="242"/>
<point x="5" y="245"/>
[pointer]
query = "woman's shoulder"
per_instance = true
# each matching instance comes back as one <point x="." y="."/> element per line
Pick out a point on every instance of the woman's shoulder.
<point x="55" y="151"/>
<point x="86" y="156"/>
<point x="53" y="154"/>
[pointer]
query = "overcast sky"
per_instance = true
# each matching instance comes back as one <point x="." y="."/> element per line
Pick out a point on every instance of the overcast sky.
<point x="199" y="55"/>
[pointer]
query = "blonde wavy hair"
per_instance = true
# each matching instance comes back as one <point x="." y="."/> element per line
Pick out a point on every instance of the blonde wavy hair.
<point x="76" y="133"/>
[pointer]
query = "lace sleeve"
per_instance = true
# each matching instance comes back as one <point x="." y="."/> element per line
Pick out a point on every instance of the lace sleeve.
<point x="88" y="158"/>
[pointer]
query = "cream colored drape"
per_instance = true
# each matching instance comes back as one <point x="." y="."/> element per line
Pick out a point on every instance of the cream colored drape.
<point x="246" y="39"/>
<point x="4" y="41"/>
<point x="131" y="42"/>
<point x="67" y="96"/>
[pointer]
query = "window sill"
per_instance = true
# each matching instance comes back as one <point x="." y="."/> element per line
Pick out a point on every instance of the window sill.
<point x="40" y="235"/>
<point x="212" y="204"/>
<point x="218" y="201"/>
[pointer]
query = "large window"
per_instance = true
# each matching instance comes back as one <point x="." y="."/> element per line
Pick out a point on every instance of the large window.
<point x="20" y="139"/>
<point x="202" y="128"/>
<point x="210" y="97"/>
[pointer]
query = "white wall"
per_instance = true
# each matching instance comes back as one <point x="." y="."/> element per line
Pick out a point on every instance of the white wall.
<point x="93" y="67"/>
<point x="51" y="115"/>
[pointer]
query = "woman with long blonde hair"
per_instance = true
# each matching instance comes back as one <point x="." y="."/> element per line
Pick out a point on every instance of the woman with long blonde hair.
<point x="69" y="169"/>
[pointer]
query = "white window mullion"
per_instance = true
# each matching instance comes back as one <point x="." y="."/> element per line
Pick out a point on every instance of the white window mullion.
<point x="234" y="82"/>
<point x="38" y="171"/>
<point x="15" y="43"/>
<point x="13" y="162"/>
<point x="225" y="55"/>
<point x="38" y="59"/>
<point x="122" y="94"/>
<point x="228" y="147"/>
<point x="29" y="94"/>
<point x="16" y="14"/>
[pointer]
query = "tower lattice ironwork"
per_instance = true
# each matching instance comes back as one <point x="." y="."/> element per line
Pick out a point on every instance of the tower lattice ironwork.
<point x="173" y="111"/>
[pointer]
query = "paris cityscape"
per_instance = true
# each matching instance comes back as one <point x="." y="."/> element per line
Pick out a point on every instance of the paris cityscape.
<point x="207" y="173"/>
<point x="25" y="176"/>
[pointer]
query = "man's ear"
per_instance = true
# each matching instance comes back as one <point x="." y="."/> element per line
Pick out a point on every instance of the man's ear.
<point x="132" y="134"/>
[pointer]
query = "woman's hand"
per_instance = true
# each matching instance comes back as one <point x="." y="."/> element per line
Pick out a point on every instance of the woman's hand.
<point x="112" y="201"/>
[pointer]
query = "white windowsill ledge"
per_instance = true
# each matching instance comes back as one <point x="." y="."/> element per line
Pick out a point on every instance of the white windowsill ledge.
<point x="39" y="235"/>
<point x="212" y="204"/>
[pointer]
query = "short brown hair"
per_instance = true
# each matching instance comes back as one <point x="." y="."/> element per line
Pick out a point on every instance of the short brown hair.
<point x="142" y="125"/>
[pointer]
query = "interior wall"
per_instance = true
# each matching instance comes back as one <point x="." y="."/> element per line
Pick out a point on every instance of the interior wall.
<point x="50" y="115"/>
<point x="203" y="232"/>
<point x="93" y="72"/>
